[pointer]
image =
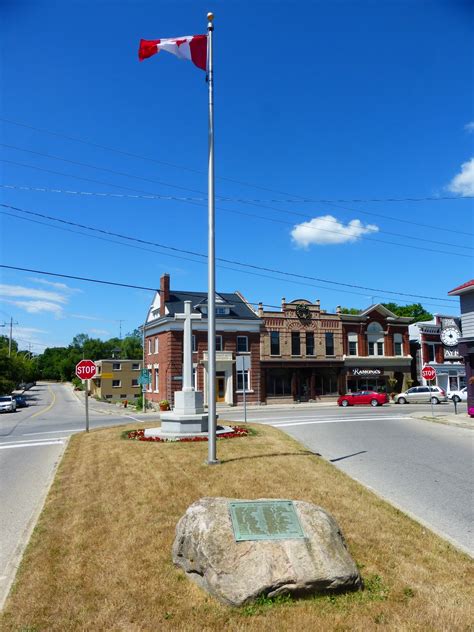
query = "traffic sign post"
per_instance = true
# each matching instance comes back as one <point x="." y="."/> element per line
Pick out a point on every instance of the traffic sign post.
<point x="243" y="365"/>
<point x="429" y="374"/>
<point x="85" y="370"/>
<point x="144" y="379"/>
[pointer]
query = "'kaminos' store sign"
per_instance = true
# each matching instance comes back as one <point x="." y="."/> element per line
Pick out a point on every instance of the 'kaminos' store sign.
<point x="366" y="372"/>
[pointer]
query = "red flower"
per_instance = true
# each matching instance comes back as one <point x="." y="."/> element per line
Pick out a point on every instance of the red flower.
<point x="139" y="435"/>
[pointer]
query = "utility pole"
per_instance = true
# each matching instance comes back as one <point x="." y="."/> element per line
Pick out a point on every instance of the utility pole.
<point x="120" y="327"/>
<point x="10" y="338"/>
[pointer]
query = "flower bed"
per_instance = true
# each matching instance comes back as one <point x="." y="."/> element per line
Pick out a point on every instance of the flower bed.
<point x="139" y="435"/>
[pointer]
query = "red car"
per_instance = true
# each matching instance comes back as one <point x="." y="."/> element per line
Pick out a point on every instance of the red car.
<point x="363" y="397"/>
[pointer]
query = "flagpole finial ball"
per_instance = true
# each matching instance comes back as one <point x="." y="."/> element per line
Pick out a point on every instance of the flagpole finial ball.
<point x="210" y="17"/>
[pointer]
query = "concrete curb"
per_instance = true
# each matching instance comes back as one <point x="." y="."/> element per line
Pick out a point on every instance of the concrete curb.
<point x="462" y="420"/>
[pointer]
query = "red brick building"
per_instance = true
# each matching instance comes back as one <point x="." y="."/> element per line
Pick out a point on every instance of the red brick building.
<point x="376" y="348"/>
<point x="237" y="334"/>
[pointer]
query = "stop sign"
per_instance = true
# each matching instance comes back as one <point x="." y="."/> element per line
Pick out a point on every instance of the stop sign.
<point x="86" y="369"/>
<point x="428" y="373"/>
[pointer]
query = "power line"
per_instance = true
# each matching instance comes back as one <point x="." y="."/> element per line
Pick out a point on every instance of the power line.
<point x="188" y="200"/>
<point x="70" y="276"/>
<point x="220" y="266"/>
<point x="248" y="184"/>
<point x="268" y="219"/>
<point x="221" y="259"/>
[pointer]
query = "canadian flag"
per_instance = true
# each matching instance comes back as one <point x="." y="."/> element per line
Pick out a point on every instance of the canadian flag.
<point x="192" y="47"/>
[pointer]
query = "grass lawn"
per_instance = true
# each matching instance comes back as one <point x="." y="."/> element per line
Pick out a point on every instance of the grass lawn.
<point x="100" y="556"/>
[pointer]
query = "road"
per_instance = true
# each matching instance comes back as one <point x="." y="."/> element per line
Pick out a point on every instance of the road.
<point x="423" y="468"/>
<point x="32" y="442"/>
<point x="426" y="469"/>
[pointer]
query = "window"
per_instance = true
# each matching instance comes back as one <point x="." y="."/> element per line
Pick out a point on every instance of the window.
<point x="352" y="344"/>
<point x="380" y="348"/>
<point x="157" y="379"/>
<point x="329" y="337"/>
<point x="295" y="343"/>
<point x="149" y="345"/>
<point x="375" y="339"/>
<point x="108" y="397"/>
<point x="135" y="382"/>
<point x="222" y="311"/>
<point x="309" y="343"/>
<point x="194" y="344"/>
<point x="157" y="344"/>
<point x="242" y="344"/>
<point x="123" y="395"/>
<point x="397" y="344"/>
<point x="243" y="377"/>
<point x="116" y="366"/>
<point x="371" y="348"/>
<point x="218" y="343"/>
<point x="116" y="383"/>
<point x="431" y="353"/>
<point x="274" y="343"/>
<point x="135" y="366"/>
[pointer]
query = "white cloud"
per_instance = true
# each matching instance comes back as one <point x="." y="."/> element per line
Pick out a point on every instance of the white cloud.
<point x="85" y="317"/>
<point x="58" y="286"/>
<point x="469" y="127"/>
<point x="35" y="307"/>
<point x="327" y="229"/>
<point x="31" y="293"/>
<point x="463" y="182"/>
<point x="99" y="332"/>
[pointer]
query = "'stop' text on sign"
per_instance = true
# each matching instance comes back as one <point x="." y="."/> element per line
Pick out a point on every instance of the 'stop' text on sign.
<point x="86" y="369"/>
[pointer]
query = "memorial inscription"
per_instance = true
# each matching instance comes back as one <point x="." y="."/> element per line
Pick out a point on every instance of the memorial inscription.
<point x="265" y="520"/>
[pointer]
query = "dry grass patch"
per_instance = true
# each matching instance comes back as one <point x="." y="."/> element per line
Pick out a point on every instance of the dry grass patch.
<point x="100" y="556"/>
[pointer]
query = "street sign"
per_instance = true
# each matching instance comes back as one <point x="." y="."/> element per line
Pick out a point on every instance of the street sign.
<point x="86" y="369"/>
<point x="242" y="363"/>
<point x="428" y="373"/>
<point x="144" y="378"/>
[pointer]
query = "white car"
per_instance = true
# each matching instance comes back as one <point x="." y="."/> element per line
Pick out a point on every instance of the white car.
<point x="422" y="395"/>
<point x="7" y="404"/>
<point x="459" y="396"/>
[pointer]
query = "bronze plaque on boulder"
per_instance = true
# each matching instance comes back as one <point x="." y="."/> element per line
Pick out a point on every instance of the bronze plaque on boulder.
<point x="265" y="520"/>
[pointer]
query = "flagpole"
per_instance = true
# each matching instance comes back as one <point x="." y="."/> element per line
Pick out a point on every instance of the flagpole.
<point x="211" y="295"/>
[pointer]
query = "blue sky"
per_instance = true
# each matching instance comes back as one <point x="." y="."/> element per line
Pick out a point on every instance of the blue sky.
<point x="331" y="101"/>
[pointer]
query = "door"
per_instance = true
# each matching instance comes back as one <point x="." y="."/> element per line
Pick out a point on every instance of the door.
<point x="220" y="389"/>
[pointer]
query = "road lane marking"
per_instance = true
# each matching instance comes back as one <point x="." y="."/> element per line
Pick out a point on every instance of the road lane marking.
<point x="333" y="421"/>
<point x="9" y="446"/>
<point x="40" y="412"/>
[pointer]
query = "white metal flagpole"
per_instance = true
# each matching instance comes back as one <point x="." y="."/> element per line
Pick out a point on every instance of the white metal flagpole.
<point x="211" y="291"/>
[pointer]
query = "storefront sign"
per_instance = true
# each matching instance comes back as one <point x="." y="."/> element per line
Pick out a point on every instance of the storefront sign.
<point x="367" y="372"/>
<point x="451" y="353"/>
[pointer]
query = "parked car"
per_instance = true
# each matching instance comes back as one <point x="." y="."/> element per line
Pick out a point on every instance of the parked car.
<point x="459" y="396"/>
<point x="421" y="395"/>
<point x="7" y="404"/>
<point x="20" y="401"/>
<point x="363" y="397"/>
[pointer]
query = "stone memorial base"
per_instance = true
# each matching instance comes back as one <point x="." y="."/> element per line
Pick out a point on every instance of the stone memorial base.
<point x="237" y="573"/>
<point x="187" y="418"/>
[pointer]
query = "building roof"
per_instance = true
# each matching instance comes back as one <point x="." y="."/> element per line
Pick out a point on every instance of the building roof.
<point x="462" y="289"/>
<point x="237" y="307"/>
<point x="378" y="307"/>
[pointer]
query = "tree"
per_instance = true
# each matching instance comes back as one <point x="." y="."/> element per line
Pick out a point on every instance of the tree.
<point x="415" y="311"/>
<point x="132" y="348"/>
<point x="350" y="310"/>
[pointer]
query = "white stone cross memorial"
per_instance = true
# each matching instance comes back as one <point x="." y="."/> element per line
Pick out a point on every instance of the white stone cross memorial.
<point x="188" y="416"/>
<point x="188" y="317"/>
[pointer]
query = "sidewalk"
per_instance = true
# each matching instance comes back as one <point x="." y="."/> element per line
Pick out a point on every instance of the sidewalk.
<point x="461" y="419"/>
